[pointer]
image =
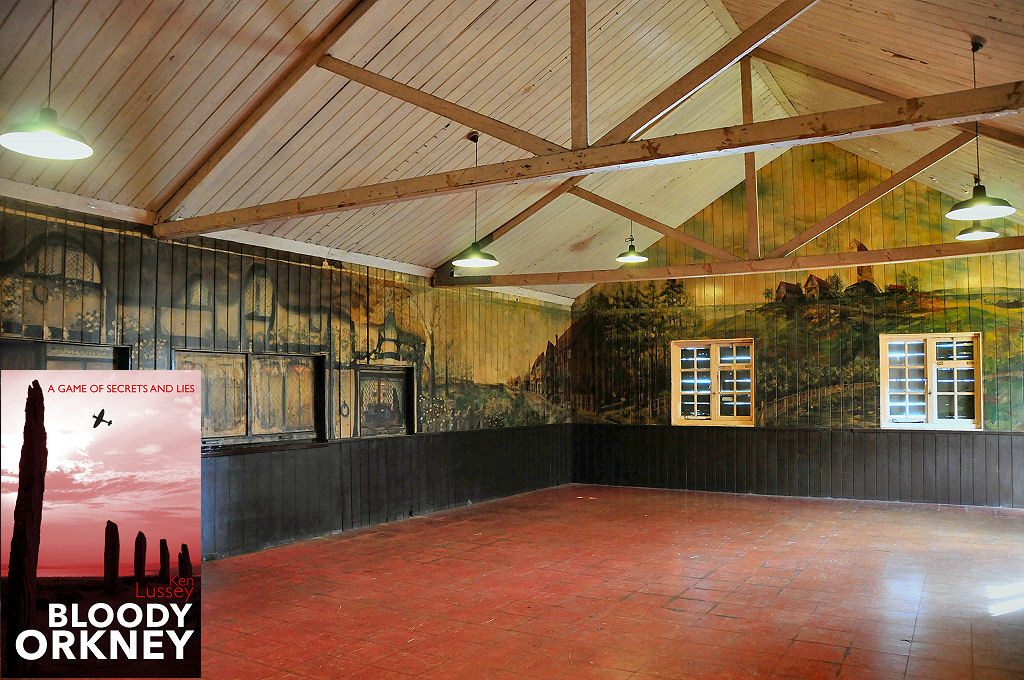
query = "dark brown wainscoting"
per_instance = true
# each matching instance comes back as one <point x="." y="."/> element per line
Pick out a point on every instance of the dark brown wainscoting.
<point x="255" y="499"/>
<point x="969" y="468"/>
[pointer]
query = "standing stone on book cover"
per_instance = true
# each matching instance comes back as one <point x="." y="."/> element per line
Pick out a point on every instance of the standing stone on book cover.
<point x="111" y="555"/>
<point x="28" y="512"/>
<point x="184" y="563"/>
<point x="140" y="557"/>
<point x="165" y="563"/>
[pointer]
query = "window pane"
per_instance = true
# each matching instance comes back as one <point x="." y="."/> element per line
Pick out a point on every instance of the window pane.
<point x="742" y="354"/>
<point x="704" y="405"/>
<point x="965" y="380"/>
<point x="897" y="354"/>
<point x="965" y="350"/>
<point x="687" y="383"/>
<point x="915" y="353"/>
<point x="728" y="381"/>
<point x="704" y="382"/>
<point x="725" y="354"/>
<point x="897" y="380"/>
<point x="965" y="406"/>
<point x="944" y="350"/>
<point x="945" y="404"/>
<point x="917" y="407"/>
<point x="686" y="358"/>
<point x="726" y="405"/>
<point x="944" y="380"/>
<point x="915" y="380"/>
<point x="688" y="407"/>
<point x="743" y="409"/>
<point x="743" y="381"/>
<point x="703" y="357"/>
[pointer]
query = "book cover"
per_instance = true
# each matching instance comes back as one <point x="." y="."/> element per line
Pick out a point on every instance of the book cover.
<point x="100" y="530"/>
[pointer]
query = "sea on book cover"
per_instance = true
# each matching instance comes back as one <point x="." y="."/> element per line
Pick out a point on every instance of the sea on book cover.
<point x="100" y="524"/>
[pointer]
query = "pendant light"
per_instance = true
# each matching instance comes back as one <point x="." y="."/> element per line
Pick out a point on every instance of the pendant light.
<point x="979" y="206"/>
<point x="44" y="138"/>
<point x="630" y="254"/>
<point x="474" y="257"/>
<point x="976" y="232"/>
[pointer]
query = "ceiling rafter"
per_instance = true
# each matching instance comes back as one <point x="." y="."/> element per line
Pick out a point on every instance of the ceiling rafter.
<point x="987" y="131"/>
<point x="829" y="126"/>
<point x="670" y="98"/>
<point x="579" y="106"/>
<point x="346" y="15"/>
<point x="873" y="194"/>
<point x="442" y="107"/>
<point x="860" y="258"/>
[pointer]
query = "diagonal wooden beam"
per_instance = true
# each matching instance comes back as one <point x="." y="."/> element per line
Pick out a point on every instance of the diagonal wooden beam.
<point x="749" y="166"/>
<point x="345" y="16"/>
<point x="829" y="126"/>
<point x="451" y="111"/>
<point x="578" y="86"/>
<point x="872" y="194"/>
<point x="862" y="258"/>
<point x="653" y="224"/>
<point x="678" y="92"/>
<point x="666" y="101"/>
<point x="999" y="134"/>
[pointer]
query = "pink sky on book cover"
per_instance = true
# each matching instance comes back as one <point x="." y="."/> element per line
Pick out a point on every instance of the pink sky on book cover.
<point x="141" y="472"/>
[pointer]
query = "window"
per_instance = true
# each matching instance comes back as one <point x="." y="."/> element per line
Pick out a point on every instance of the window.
<point x="931" y="380"/>
<point x="256" y="397"/>
<point x="18" y="354"/>
<point x="713" y="382"/>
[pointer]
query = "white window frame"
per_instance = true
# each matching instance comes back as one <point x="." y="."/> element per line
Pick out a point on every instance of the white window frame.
<point x="715" y="418"/>
<point x="932" y="422"/>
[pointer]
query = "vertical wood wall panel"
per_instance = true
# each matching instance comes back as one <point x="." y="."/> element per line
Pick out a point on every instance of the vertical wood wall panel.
<point x="970" y="468"/>
<point x="255" y="500"/>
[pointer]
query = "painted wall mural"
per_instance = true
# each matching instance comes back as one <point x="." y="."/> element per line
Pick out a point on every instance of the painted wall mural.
<point x="67" y="277"/>
<point x="815" y="332"/>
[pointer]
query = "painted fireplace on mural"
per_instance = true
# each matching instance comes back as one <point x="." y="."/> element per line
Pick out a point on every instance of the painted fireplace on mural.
<point x="385" y="399"/>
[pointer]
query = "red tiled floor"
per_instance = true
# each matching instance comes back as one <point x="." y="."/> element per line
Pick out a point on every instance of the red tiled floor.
<point x="631" y="584"/>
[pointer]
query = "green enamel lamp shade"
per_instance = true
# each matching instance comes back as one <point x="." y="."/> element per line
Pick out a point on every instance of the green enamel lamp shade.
<point x="474" y="257"/>
<point x="44" y="138"/>
<point x="976" y="232"/>
<point x="980" y="206"/>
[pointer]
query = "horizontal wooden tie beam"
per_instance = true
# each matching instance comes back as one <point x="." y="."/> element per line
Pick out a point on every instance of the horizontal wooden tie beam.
<point x="940" y="251"/>
<point x="861" y="121"/>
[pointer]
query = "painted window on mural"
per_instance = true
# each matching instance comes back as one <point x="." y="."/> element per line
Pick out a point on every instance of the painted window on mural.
<point x="254" y="396"/>
<point x="283" y="389"/>
<point x="713" y="381"/>
<point x="931" y="380"/>
<point x="224" y="390"/>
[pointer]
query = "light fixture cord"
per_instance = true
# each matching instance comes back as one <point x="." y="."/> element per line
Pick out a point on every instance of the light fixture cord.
<point x="977" y="139"/>
<point x="49" y="82"/>
<point x="476" y="161"/>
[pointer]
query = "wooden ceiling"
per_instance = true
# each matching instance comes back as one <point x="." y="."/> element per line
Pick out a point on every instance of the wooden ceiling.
<point x="157" y="87"/>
